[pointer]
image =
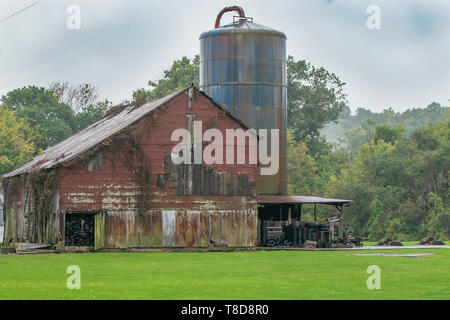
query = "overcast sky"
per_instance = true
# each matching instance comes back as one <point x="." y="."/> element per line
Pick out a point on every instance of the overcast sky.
<point x="124" y="43"/>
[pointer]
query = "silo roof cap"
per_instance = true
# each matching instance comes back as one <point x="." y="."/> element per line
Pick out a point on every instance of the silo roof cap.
<point x="242" y="26"/>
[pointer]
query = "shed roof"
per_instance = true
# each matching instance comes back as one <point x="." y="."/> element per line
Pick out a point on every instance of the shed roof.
<point x="301" y="200"/>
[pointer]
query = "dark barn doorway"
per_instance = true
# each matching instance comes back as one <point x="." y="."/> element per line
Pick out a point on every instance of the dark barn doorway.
<point x="80" y="230"/>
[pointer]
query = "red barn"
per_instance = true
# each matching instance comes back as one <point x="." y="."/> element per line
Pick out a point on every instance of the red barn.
<point x="113" y="185"/>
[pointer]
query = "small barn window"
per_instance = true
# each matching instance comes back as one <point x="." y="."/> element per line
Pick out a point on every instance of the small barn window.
<point x="96" y="163"/>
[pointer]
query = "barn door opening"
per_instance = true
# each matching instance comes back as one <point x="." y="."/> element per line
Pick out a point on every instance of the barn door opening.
<point x="80" y="230"/>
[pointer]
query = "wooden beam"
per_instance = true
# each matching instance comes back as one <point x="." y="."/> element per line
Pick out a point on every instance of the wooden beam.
<point x="289" y="214"/>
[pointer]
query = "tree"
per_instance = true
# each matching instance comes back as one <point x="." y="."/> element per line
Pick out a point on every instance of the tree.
<point x="365" y="121"/>
<point x="83" y="99"/>
<point x="359" y="136"/>
<point x="376" y="225"/>
<point x="301" y="167"/>
<point x="77" y="97"/>
<point x="437" y="219"/>
<point x="183" y="73"/>
<point x="52" y="120"/>
<point x="315" y="98"/>
<point x="409" y="175"/>
<point x="91" y="113"/>
<point x="388" y="134"/>
<point x="16" y="147"/>
<point x="395" y="230"/>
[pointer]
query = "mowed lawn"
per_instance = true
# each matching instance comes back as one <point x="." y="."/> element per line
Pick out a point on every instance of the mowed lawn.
<point x="227" y="275"/>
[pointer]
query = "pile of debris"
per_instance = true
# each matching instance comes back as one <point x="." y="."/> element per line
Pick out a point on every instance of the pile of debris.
<point x="28" y="248"/>
<point x="388" y="242"/>
<point x="429" y="241"/>
<point x="279" y="242"/>
<point x="341" y="244"/>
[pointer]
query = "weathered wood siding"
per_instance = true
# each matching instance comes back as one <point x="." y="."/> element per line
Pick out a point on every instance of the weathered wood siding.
<point x="31" y="209"/>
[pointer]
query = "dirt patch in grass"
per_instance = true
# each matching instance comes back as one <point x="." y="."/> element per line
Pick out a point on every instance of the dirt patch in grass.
<point x="407" y="255"/>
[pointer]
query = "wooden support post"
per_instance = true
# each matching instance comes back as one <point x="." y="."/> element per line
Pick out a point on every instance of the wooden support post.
<point x="281" y="215"/>
<point x="315" y="211"/>
<point x="332" y="230"/>
<point x="289" y="214"/>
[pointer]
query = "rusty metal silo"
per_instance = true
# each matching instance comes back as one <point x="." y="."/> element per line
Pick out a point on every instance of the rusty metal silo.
<point x="243" y="67"/>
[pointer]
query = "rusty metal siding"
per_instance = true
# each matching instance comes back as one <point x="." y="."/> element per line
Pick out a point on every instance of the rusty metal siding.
<point x="183" y="228"/>
<point x="204" y="229"/>
<point x="146" y="229"/>
<point x="133" y="230"/>
<point x="157" y="235"/>
<point x="168" y="228"/>
<point x="116" y="230"/>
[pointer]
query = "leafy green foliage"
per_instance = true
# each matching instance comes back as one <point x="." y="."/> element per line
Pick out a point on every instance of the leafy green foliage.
<point x="355" y="130"/>
<point x="90" y="114"/>
<point x="41" y="119"/>
<point x="183" y="73"/>
<point x="15" y="145"/>
<point x="388" y="134"/>
<point x="43" y="112"/>
<point x="301" y="167"/>
<point x="315" y="98"/>
<point x="400" y="187"/>
<point x="377" y="224"/>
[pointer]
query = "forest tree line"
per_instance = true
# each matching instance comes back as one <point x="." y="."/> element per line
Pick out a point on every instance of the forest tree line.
<point x="394" y="166"/>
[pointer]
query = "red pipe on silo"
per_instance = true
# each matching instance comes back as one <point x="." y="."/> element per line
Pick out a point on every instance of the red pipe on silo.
<point x="237" y="9"/>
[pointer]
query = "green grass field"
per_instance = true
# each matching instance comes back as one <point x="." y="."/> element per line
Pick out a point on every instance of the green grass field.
<point x="227" y="275"/>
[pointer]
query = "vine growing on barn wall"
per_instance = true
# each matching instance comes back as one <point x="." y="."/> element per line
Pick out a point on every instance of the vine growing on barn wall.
<point x="138" y="164"/>
<point x="11" y="190"/>
<point x="43" y="185"/>
<point x="136" y="157"/>
<point x="127" y="143"/>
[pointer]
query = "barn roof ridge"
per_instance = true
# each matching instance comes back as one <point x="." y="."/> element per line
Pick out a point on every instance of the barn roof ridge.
<point x="99" y="131"/>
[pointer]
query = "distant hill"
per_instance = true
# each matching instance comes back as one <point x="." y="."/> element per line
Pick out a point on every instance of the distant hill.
<point x="364" y="122"/>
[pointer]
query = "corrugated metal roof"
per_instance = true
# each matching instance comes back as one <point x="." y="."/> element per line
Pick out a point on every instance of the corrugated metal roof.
<point x="300" y="199"/>
<point x="91" y="136"/>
